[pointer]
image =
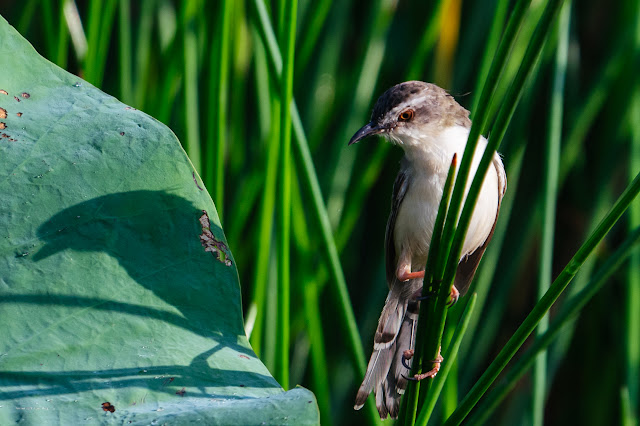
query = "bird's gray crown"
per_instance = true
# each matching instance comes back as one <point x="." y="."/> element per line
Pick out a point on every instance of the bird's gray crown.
<point x="431" y="104"/>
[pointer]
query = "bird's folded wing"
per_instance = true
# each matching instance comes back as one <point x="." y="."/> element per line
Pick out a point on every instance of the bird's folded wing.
<point x="468" y="265"/>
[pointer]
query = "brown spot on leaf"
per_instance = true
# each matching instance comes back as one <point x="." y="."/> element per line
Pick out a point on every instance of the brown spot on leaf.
<point x="19" y="114"/>
<point x="106" y="406"/>
<point x="211" y="244"/>
<point x="3" y="113"/>
<point x="196" y="180"/>
<point x="3" y="92"/>
<point x="244" y="356"/>
<point x="16" y="98"/>
<point x="3" y="125"/>
<point x="121" y="133"/>
<point x="25" y="95"/>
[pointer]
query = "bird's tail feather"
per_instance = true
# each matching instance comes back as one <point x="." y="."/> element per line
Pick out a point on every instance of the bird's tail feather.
<point x="385" y="374"/>
<point x="391" y="317"/>
<point x="377" y="370"/>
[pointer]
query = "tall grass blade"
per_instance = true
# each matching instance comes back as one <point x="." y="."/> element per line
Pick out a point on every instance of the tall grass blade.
<point x="124" y="50"/>
<point x="143" y="51"/>
<point x="269" y="113"/>
<point x="218" y="106"/>
<point x="26" y="19"/>
<point x="288" y="30"/>
<point x="50" y="35"/>
<point x="191" y="88"/>
<point x="265" y="228"/>
<point x="497" y="25"/>
<point x="76" y="29"/>
<point x="319" y="13"/>
<point x="427" y="41"/>
<point x="61" y="54"/>
<point x="550" y="193"/>
<point x="101" y="17"/>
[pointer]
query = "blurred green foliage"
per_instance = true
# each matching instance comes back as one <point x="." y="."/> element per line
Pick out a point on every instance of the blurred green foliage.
<point x="208" y="70"/>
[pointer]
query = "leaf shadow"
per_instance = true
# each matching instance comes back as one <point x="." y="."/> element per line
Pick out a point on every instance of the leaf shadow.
<point x="155" y="237"/>
<point x="159" y="378"/>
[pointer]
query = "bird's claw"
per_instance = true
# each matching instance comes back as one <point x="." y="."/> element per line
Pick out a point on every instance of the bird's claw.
<point x="408" y="354"/>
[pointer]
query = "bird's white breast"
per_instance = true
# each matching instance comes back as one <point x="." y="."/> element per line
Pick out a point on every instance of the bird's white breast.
<point x="429" y="162"/>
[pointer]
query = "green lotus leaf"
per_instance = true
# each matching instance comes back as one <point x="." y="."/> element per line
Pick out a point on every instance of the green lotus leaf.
<point x="119" y="297"/>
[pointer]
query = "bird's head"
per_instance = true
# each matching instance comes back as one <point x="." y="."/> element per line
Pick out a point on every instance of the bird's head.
<point x="410" y="112"/>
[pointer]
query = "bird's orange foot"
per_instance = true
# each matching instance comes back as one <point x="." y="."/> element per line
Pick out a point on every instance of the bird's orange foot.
<point x="408" y="354"/>
<point x="453" y="296"/>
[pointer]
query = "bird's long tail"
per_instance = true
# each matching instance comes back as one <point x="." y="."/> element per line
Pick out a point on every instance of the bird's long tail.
<point x="396" y="333"/>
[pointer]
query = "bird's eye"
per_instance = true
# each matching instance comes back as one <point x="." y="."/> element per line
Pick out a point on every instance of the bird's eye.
<point x="406" y="115"/>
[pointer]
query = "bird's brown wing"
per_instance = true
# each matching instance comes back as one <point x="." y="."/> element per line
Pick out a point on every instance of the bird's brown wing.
<point x="400" y="187"/>
<point x="468" y="266"/>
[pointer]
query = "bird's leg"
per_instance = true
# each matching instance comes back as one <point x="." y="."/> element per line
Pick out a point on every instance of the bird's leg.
<point x="403" y="270"/>
<point x="406" y="276"/>
<point x="408" y="354"/>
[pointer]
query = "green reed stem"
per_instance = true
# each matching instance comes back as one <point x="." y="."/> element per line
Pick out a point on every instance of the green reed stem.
<point x="551" y="167"/>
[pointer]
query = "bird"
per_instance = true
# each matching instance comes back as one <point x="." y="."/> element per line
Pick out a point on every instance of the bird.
<point x="431" y="127"/>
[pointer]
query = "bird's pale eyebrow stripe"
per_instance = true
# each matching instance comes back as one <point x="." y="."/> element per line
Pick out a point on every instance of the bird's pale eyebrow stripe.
<point x="414" y="101"/>
<point x="419" y="99"/>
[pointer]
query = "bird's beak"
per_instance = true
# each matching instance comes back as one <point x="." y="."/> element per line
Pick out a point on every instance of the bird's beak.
<point x="367" y="130"/>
